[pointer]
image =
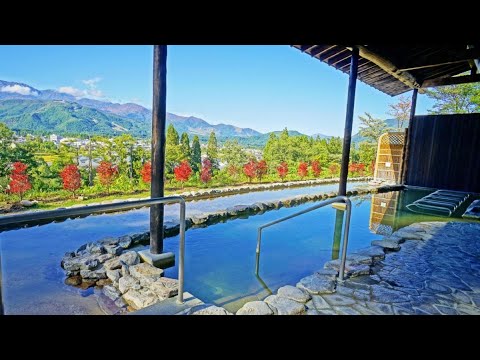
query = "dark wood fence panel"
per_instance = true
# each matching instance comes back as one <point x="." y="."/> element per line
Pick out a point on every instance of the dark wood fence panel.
<point x="444" y="152"/>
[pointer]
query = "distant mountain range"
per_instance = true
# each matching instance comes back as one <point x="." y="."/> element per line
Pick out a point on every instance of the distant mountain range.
<point x="25" y="108"/>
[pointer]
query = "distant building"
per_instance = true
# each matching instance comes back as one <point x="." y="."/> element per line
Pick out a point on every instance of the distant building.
<point x="55" y="138"/>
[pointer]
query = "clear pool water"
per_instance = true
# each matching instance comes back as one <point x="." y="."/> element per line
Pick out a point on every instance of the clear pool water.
<point x="220" y="259"/>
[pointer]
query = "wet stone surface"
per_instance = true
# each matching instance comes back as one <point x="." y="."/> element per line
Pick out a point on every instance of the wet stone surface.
<point x="435" y="271"/>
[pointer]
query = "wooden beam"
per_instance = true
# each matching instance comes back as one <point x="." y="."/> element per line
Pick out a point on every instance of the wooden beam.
<point x="406" y="151"/>
<point x="404" y="76"/>
<point x="459" y="57"/>
<point x="451" y="81"/>
<point x="159" y="114"/>
<point x="347" y="136"/>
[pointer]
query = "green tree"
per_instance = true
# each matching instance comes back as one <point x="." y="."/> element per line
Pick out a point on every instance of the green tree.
<point x="196" y="155"/>
<point x="212" y="150"/>
<point x="401" y="111"/>
<point x="233" y="154"/>
<point x="185" y="150"/>
<point x="371" y="128"/>
<point x="172" y="149"/>
<point x="123" y="154"/>
<point x="455" y="99"/>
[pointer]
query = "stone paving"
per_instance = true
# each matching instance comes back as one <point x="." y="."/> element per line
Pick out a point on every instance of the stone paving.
<point x="425" y="268"/>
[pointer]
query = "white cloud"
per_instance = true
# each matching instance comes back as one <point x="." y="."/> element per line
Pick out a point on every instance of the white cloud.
<point x="71" y="91"/>
<point x="95" y="93"/>
<point x="90" y="92"/>
<point x="19" y="89"/>
<point x="92" y="82"/>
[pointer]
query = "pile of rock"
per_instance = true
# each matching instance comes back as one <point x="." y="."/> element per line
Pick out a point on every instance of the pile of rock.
<point x="125" y="282"/>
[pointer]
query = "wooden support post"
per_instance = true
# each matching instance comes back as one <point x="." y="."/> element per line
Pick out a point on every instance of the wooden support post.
<point x="406" y="153"/>
<point x="347" y="136"/>
<point x="158" y="145"/>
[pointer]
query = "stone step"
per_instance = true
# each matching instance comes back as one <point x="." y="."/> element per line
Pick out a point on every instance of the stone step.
<point x="170" y="306"/>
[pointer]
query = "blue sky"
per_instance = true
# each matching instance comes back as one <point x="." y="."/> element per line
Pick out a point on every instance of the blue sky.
<point x="263" y="87"/>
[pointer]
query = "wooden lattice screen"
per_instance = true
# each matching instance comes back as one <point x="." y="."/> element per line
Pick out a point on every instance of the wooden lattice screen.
<point x="390" y="157"/>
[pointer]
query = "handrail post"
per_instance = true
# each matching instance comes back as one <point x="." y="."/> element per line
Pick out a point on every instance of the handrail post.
<point x="259" y="243"/>
<point x="322" y="204"/>
<point x="181" y="253"/>
<point x="346" y="231"/>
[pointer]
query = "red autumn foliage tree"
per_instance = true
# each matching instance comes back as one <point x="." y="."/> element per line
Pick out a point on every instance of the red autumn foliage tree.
<point x="261" y="169"/>
<point x="333" y="169"/>
<point x="249" y="169"/>
<point x="356" y="168"/>
<point x="282" y="170"/>
<point x="206" y="172"/>
<point x="233" y="171"/>
<point x="183" y="172"/>
<point x="146" y="172"/>
<point x="107" y="172"/>
<point x="19" y="182"/>
<point x="302" y="170"/>
<point x="316" y="169"/>
<point x="71" y="178"/>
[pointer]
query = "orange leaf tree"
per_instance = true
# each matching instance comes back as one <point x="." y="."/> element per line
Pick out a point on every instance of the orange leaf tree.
<point x="261" y="169"/>
<point x="334" y="168"/>
<point x="206" y="172"/>
<point x="19" y="182"/>
<point x="183" y="172"/>
<point x="71" y="178"/>
<point x="316" y="169"/>
<point x="249" y="169"/>
<point x="107" y="172"/>
<point x="302" y="170"/>
<point x="282" y="170"/>
<point x="146" y="172"/>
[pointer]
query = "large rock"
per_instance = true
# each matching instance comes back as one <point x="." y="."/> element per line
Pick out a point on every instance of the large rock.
<point x="125" y="241"/>
<point x="111" y="292"/>
<point x="114" y="249"/>
<point x="255" y="308"/>
<point x="316" y="284"/>
<point x="126" y="283"/>
<point x="164" y="288"/>
<point x="293" y="293"/>
<point x="375" y="252"/>
<point x="390" y="245"/>
<point x="284" y="306"/>
<point x="145" y="273"/>
<point x="95" y="248"/>
<point x="207" y="309"/>
<point x="28" y="203"/>
<point x="327" y="273"/>
<point x="352" y="269"/>
<point x="129" y="258"/>
<point x="359" y="259"/>
<point x="138" y="299"/>
<point x="85" y="262"/>
<point x="114" y="275"/>
<point x="108" y="241"/>
<point x="96" y="274"/>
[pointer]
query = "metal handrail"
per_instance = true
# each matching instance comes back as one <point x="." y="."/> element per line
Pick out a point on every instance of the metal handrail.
<point x="126" y="205"/>
<point x="346" y="230"/>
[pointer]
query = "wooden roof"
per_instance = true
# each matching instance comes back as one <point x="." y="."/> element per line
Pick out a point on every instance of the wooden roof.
<point x="395" y="69"/>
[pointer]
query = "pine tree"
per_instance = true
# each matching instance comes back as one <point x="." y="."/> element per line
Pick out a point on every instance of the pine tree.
<point x="196" y="154"/>
<point x="172" y="149"/>
<point x="185" y="148"/>
<point x="212" y="150"/>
